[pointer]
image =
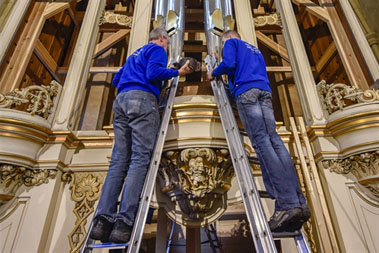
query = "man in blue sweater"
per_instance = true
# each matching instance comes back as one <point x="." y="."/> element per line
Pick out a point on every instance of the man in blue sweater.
<point x="136" y="123"/>
<point x="249" y="85"/>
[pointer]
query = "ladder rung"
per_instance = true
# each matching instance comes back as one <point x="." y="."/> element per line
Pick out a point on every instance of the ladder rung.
<point x="264" y="194"/>
<point x="285" y="234"/>
<point x="108" y="245"/>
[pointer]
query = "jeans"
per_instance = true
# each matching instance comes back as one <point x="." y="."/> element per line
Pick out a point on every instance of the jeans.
<point x="136" y="123"/>
<point x="278" y="172"/>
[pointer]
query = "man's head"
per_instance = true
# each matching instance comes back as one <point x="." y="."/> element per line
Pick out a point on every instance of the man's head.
<point x="230" y="34"/>
<point x="160" y="37"/>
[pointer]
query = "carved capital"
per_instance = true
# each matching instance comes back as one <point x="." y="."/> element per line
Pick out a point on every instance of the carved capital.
<point x="37" y="98"/>
<point x="338" y="96"/>
<point x="13" y="177"/>
<point x="364" y="167"/>
<point x="196" y="179"/>
<point x="112" y="18"/>
<point x="85" y="191"/>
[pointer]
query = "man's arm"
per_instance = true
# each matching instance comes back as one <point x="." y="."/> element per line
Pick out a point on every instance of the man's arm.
<point x="228" y="63"/>
<point x="156" y="67"/>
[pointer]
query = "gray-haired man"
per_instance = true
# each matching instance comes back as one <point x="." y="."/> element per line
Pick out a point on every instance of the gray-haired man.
<point x="136" y="123"/>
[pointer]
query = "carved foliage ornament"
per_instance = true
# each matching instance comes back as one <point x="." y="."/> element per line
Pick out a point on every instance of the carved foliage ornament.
<point x="112" y="18"/>
<point x="13" y="177"/>
<point x="365" y="167"/>
<point x="39" y="99"/>
<point x="85" y="191"/>
<point x="338" y="96"/>
<point x="196" y="178"/>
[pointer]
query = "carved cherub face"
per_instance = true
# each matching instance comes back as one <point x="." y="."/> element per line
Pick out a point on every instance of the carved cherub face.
<point x="192" y="164"/>
<point x="196" y="165"/>
<point x="199" y="162"/>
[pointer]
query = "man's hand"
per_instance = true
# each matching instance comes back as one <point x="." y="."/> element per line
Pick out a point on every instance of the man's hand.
<point x="185" y="69"/>
<point x="210" y="77"/>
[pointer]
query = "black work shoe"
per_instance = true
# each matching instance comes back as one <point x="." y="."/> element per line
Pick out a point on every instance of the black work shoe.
<point x="298" y="223"/>
<point x="101" y="229"/>
<point x="121" y="232"/>
<point x="281" y="219"/>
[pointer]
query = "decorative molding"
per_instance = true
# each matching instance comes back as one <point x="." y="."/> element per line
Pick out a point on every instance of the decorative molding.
<point x="39" y="98"/>
<point x="271" y="19"/>
<point x="308" y="227"/>
<point x="364" y="167"/>
<point x="338" y="96"/>
<point x="85" y="191"/>
<point x="13" y="177"/>
<point x="112" y="18"/>
<point x="196" y="178"/>
<point x="241" y="229"/>
<point x="304" y="80"/>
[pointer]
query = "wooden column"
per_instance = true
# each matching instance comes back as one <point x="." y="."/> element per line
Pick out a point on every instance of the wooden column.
<point x="11" y="26"/>
<point x="362" y="42"/>
<point x="139" y="35"/>
<point x="245" y="21"/>
<point x="13" y="73"/>
<point x="345" y="50"/>
<point x="304" y="80"/>
<point x="77" y="74"/>
<point x="193" y="243"/>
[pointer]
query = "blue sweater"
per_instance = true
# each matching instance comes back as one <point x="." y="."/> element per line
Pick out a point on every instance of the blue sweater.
<point x="245" y="67"/>
<point x="144" y="70"/>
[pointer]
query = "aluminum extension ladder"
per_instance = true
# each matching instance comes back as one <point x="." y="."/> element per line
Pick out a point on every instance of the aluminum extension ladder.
<point x="136" y="237"/>
<point x="261" y="233"/>
<point x="262" y="236"/>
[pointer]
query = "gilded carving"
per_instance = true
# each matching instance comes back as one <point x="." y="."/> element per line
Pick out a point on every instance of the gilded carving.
<point x="241" y="229"/>
<point x="195" y="178"/>
<point x="365" y="168"/>
<point x="338" y="96"/>
<point x="13" y="177"/>
<point x="85" y="191"/>
<point x="112" y="18"/>
<point x="38" y="98"/>
<point x="272" y="19"/>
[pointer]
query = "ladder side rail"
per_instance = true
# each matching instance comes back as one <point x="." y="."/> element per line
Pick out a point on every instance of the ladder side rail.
<point x="249" y="189"/>
<point x="262" y="236"/>
<point x="226" y="121"/>
<point x="139" y="224"/>
<point x="87" y="240"/>
<point x="301" y="243"/>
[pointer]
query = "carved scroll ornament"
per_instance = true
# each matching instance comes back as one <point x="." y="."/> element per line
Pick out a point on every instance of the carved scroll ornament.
<point x="112" y="18"/>
<point x="196" y="178"/>
<point x="365" y="168"/>
<point x="85" y="191"/>
<point x="338" y="96"/>
<point x="13" y="177"/>
<point x="272" y="19"/>
<point x="38" y="98"/>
